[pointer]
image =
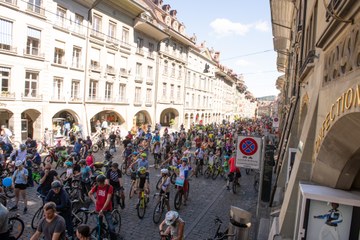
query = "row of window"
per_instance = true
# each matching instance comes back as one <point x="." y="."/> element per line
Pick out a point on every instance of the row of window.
<point x="204" y="102"/>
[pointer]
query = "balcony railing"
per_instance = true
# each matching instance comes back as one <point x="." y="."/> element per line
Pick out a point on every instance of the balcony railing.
<point x="11" y="2"/>
<point x="138" y="79"/>
<point x="58" y="99"/>
<point x="124" y="72"/>
<point x="62" y="23"/>
<point x="122" y="100"/>
<point x="75" y="99"/>
<point x="7" y="48"/>
<point x="149" y="81"/>
<point x="148" y="103"/>
<point x="140" y="51"/>
<point x="5" y="95"/>
<point x="113" y="40"/>
<point x="137" y="102"/>
<point x="97" y="34"/>
<point x="37" y="9"/>
<point x="79" y="29"/>
<point x="33" y="52"/>
<point x="94" y="99"/>
<point x="31" y="97"/>
<point x="77" y="65"/>
<point x="95" y="66"/>
<point x="110" y="69"/>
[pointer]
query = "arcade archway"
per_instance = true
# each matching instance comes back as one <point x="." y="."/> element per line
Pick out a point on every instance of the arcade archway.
<point x="169" y="117"/>
<point x="114" y="119"/>
<point x="30" y="124"/>
<point x="63" y="120"/>
<point x="142" y="118"/>
<point x="338" y="161"/>
<point x="6" y="118"/>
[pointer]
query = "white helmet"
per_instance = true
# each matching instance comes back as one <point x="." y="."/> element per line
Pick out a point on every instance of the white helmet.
<point x="171" y="217"/>
<point x="164" y="171"/>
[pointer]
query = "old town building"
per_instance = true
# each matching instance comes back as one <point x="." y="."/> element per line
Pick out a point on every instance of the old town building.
<point x="127" y="62"/>
<point x="318" y="167"/>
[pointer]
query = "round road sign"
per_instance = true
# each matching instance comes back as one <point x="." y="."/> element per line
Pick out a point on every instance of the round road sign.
<point x="248" y="146"/>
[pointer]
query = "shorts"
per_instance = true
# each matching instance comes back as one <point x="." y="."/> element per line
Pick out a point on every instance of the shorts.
<point x="21" y="186"/>
<point x="167" y="194"/>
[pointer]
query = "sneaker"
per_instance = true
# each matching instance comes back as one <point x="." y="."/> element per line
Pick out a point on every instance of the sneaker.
<point x="25" y="210"/>
<point x="147" y="200"/>
<point x="14" y="208"/>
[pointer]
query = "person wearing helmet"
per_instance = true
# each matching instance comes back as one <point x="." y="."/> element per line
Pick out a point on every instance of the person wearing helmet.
<point x="114" y="178"/>
<point x="61" y="198"/>
<point x="142" y="181"/>
<point x="176" y="226"/>
<point x="85" y="174"/>
<point x="69" y="172"/>
<point x="127" y="151"/>
<point x="103" y="205"/>
<point x="165" y="186"/>
<point x="141" y="162"/>
<point x="19" y="154"/>
<point x="20" y="178"/>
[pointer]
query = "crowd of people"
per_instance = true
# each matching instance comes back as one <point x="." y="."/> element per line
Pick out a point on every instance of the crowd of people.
<point x="184" y="152"/>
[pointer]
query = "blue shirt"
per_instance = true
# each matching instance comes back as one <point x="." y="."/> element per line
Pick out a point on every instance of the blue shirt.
<point x="85" y="172"/>
<point x="77" y="147"/>
<point x="19" y="176"/>
<point x="142" y="163"/>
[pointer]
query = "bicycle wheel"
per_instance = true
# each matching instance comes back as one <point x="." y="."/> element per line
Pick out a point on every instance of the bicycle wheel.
<point x="158" y="211"/>
<point x="123" y="168"/>
<point x="207" y="172"/>
<point x="63" y="176"/>
<point x="16" y="227"/>
<point x="158" y="184"/>
<point x="122" y="200"/>
<point x="178" y="200"/>
<point x="131" y="190"/>
<point x="95" y="148"/>
<point x="36" y="218"/>
<point x="116" y="217"/>
<point x="234" y="183"/>
<point x="47" y="159"/>
<point x="215" y="174"/>
<point x="9" y="192"/>
<point x="141" y="207"/>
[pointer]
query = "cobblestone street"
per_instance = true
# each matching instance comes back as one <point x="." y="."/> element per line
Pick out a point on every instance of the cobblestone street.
<point x="208" y="198"/>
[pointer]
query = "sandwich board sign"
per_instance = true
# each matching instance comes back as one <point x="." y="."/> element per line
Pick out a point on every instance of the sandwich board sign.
<point x="248" y="151"/>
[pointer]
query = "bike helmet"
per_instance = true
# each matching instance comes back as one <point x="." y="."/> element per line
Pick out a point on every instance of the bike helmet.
<point x="143" y="155"/>
<point x="171" y="217"/>
<point x="18" y="163"/>
<point x="142" y="170"/>
<point x="227" y="157"/>
<point x="164" y="171"/>
<point x="100" y="178"/>
<point x="56" y="184"/>
<point x="112" y="151"/>
<point x="184" y="159"/>
<point x="22" y="147"/>
<point x="135" y="153"/>
<point x="68" y="164"/>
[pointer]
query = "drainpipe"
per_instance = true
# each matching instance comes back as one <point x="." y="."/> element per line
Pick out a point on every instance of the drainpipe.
<point x="156" y="84"/>
<point x="97" y="2"/>
<point x="292" y="113"/>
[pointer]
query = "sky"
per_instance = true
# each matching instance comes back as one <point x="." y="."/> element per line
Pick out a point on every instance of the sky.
<point x="238" y="29"/>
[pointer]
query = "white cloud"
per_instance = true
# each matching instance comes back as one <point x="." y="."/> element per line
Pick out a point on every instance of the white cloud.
<point x="243" y="63"/>
<point x="225" y="27"/>
<point x="262" y="26"/>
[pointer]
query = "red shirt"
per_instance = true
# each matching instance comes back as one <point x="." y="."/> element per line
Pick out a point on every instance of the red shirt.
<point x="232" y="165"/>
<point x="101" y="196"/>
<point x="90" y="160"/>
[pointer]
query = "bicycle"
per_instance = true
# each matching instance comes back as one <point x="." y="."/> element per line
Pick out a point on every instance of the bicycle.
<point x="235" y="182"/>
<point x="38" y="214"/>
<point x="141" y="206"/>
<point x="159" y="207"/>
<point x="180" y="194"/>
<point x="220" y="235"/>
<point x="219" y="170"/>
<point x="101" y="231"/>
<point x="209" y="171"/>
<point x="16" y="226"/>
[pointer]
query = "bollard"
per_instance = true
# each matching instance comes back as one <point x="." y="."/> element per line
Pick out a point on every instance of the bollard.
<point x="240" y="223"/>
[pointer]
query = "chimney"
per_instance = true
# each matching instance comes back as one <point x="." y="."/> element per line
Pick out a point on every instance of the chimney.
<point x="173" y="13"/>
<point x="217" y="56"/>
<point x="158" y="2"/>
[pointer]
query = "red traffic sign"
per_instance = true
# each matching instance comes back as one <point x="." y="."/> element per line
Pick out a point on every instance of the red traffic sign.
<point x="248" y="146"/>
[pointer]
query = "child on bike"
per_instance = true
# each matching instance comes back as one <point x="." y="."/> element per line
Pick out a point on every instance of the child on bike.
<point x="165" y="186"/>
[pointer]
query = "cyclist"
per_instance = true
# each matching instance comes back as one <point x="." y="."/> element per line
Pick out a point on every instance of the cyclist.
<point x="114" y="178"/>
<point x="19" y="154"/>
<point x="20" y="178"/>
<point x="184" y="169"/>
<point x="142" y="181"/>
<point x="52" y="226"/>
<point x="103" y="203"/>
<point x="90" y="159"/>
<point x="6" y="149"/>
<point x="165" y="183"/>
<point x="63" y="204"/>
<point x="234" y="172"/>
<point x="112" y="139"/>
<point x="47" y="177"/>
<point x="141" y="162"/>
<point x="85" y="173"/>
<point x="176" y="226"/>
